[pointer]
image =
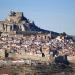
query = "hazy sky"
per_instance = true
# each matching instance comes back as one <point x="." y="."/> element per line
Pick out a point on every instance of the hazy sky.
<point x="54" y="15"/>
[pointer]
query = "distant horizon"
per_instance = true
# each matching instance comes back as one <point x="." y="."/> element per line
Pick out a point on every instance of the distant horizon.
<point x="52" y="15"/>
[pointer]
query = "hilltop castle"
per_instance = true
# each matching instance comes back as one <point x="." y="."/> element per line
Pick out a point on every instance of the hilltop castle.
<point x="18" y="23"/>
<point x="15" y="22"/>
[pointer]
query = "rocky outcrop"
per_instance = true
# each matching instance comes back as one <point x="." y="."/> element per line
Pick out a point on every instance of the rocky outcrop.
<point x="17" y="22"/>
<point x="20" y="24"/>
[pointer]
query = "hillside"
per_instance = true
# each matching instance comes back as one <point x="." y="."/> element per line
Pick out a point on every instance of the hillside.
<point x="16" y="21"/>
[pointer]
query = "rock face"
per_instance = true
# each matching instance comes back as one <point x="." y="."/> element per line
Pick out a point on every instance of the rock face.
<point x="17" y="22"/>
